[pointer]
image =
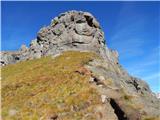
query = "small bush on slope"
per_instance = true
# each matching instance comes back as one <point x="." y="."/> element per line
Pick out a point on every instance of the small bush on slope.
<point x="46" y="88"/>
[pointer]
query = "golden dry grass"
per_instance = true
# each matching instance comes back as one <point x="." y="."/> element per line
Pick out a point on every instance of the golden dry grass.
<point x="42" y="88"/>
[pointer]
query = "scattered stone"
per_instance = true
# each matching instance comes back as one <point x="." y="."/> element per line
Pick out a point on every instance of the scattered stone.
<point x="56" y="55"/>
<point x="103" y="97"/>
<point x="53" y="117"/>
<point x="100" y="85"/>
<point x="12" y="112"/>
<point x="91" y="79"/>
<point x="105" y="112"/>
<point x="101" y="78"/>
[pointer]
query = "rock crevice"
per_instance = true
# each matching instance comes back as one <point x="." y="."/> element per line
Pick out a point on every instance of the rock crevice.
<point x="118" y="111"/>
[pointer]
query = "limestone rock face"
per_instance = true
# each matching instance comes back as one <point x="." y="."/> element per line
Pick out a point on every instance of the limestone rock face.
<point x="73" y="30"/>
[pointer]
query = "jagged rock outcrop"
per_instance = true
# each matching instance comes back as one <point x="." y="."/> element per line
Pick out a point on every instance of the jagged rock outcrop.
<point x="73" y="30"/>
<point x="130" y="97"/>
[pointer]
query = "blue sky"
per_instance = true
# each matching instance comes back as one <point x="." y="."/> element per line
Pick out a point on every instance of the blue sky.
<point x="132" y="28"/>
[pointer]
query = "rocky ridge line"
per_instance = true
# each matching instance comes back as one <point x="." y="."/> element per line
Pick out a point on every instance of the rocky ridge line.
<point x="73" y="30"/>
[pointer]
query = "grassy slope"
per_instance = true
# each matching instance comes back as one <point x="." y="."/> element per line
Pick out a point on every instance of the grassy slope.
<point x="46" y="87"/>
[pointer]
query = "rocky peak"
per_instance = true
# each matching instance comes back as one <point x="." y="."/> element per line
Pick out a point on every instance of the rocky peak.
<point x="72" y="30"/>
